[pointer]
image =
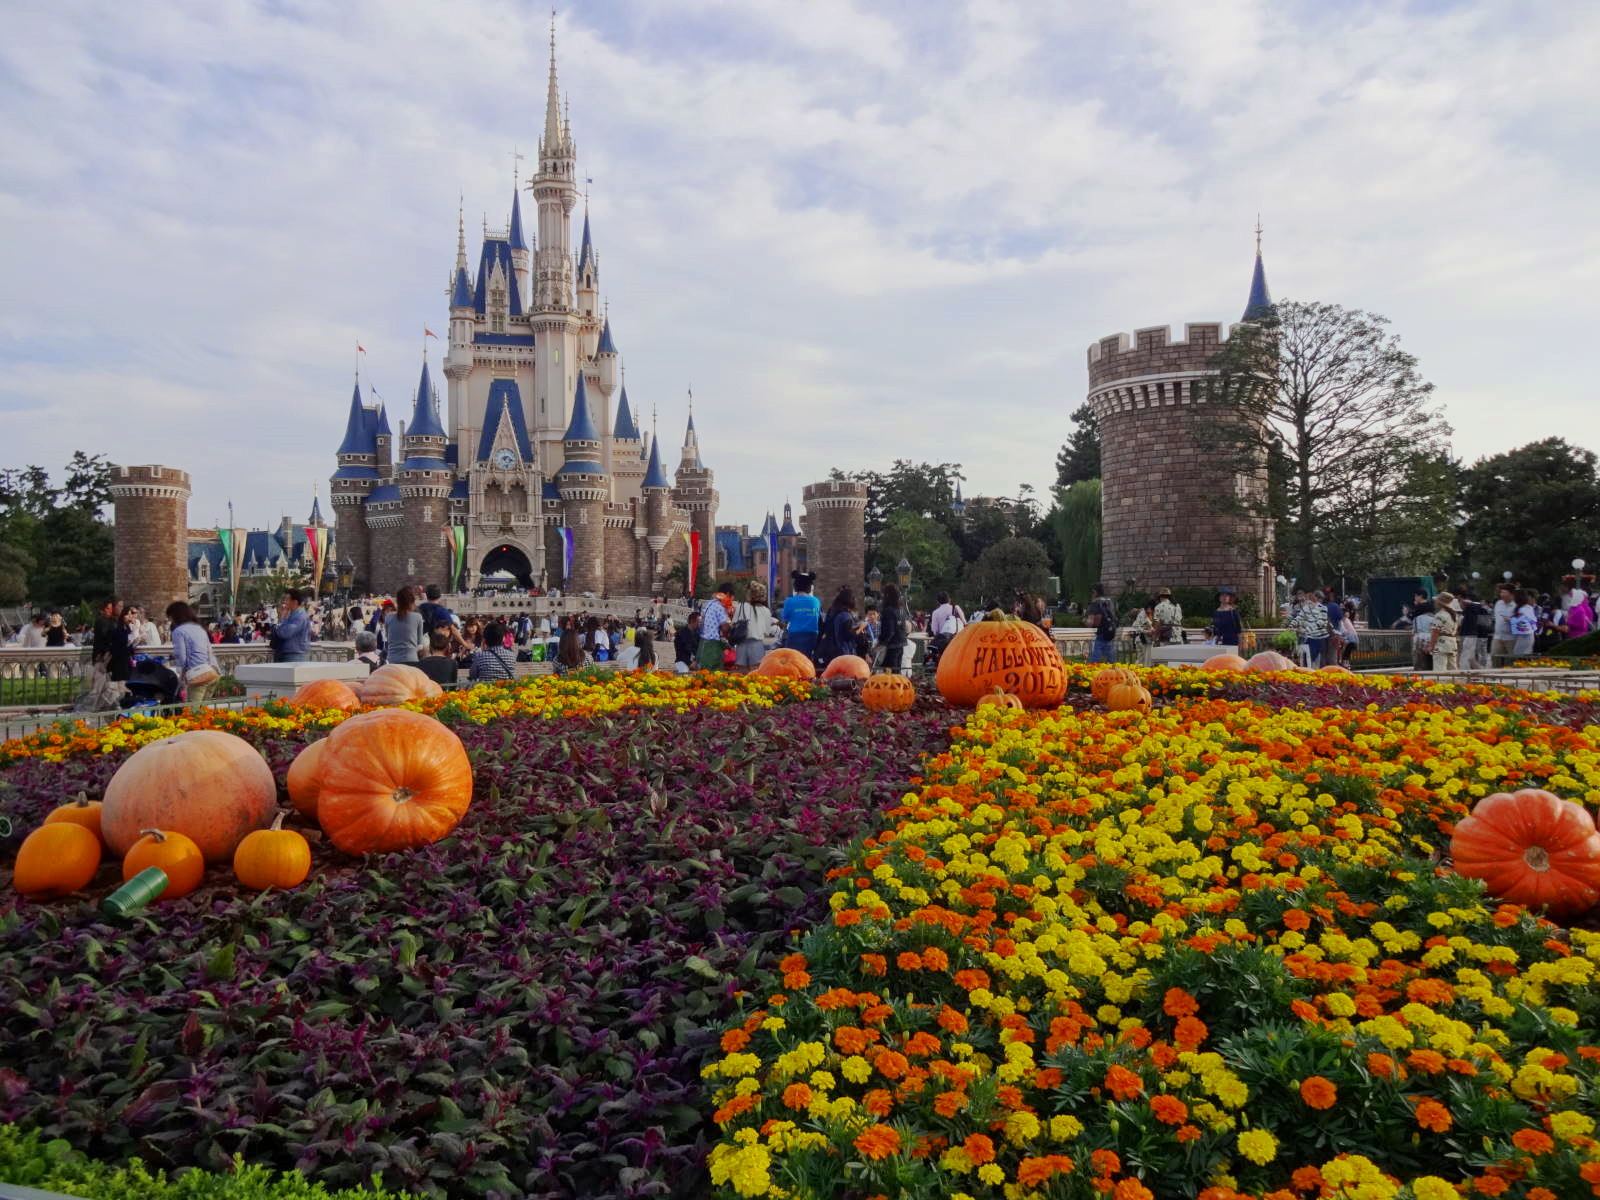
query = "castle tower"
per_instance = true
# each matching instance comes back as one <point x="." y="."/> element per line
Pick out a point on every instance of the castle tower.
<point x="353" y="482"/>
<point x="627" y="452"/>
<point x="602" y="372"/>
<point x="657" y="493"/>
<point x="836" y="535"/>
<point x="521" y="259"/>
<point x="588" y="279"/>
<point x="1161" y="525"/>
<point x="584" y="489"/>
<point x="788" y="551"/>
<point x="696" y="495"/>
<point x="152" y="530"/>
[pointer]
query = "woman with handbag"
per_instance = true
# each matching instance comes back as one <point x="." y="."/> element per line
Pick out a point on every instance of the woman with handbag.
<point x="752" y="622"/>
<point x="192" y="656"/>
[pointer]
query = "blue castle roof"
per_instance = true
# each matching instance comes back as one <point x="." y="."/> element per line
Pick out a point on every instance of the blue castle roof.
<point x="1260" y="303"/>
<point x="654" y="476"/>
<point x="504" y="397"/>
<point x="458" y="490"/>
<point x="388" y="491"/>
<point x="380" y="423"/>
<point x="517" y="242"/>
<point x="461" y="290"/>
<point x="788" y="522"/>
<point x="496" y="251"/>
<point x="356" y="473"/>
<point x="607" y="346"/>
<point x="581" y="466"/>
<point x="623" y="426"/>
<point x="581" y="428"/>
<point x="586" y="251"/>
<point x="358" y="431"/>
<point x="425" y="415"/>
<point x="769" y="526"/>
<point x="316" y="512"/>
<point x="550" y="491"/>
<point x="210" y="552"/>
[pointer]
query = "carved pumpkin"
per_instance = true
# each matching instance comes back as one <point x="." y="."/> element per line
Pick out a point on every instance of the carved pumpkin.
<point x="1107" y="678"/>
<point x="1225" y="662"/>
<point x="848" y="666"/>
<point x="1269" y="660"/>
<point x="273" y="858"/>
<point x="1128" y="697"/>
<point x="304" y="779"/>
<point x="1002" y="652"/>
<point x="176" y="855"/>
<point x="57" y="858"/>
<point x="1531" y="848"/>
<point x="888" y="693"/>
<point x="326" y="693"/>
<point x="786" y="664"/>
<point x="210" y="786"/>
<point x="82" y="811"/>
<point x="999" y="698"/>
<point x="397" y="683"/>
<point x="392" y="780"/>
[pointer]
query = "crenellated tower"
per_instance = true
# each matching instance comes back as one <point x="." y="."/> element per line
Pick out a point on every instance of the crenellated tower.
<point x="354" y="481"/>
<point x="696" y="495"/>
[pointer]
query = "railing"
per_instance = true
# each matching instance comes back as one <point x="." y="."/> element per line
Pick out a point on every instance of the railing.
<point x="52" y="677"/>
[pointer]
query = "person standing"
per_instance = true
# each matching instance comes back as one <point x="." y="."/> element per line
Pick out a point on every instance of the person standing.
<point x="1349" y="636"/>
<point x="1102" y="618"/>
<point x="757" y="618"/>
<point x="644" y="649"/>
<point x="1504" y="643"/>
<point x="1421" y="632"/>
<point x="1169" y="618"/>
<point x="1477" y="629"/>
<point x="402" y="629"/>
<point x="714" y="616"/>
<point x="32" y="636"/>
<point x="686" y="645"/>
<point x="1444" y="645"/>
<point x="802" y="616"/>
<point x="1226" y="622"/>
<point x="110" y="656"/>
<point x="839" y="628"/>
<point x="1524" y="623"/>
<point x="1310" y="621"/>
<point x="893" y="631"/>
<point x="1580" y="618"/>
<point x="291" y="640"/>
<point x="192" y="656"/>
<point x="55" y="633"/>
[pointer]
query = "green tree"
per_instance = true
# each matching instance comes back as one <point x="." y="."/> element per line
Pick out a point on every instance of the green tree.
<point x="1076" y="517"/>
<point x="1332" y="389"/>
<point x="924" y="489"/>
<point x="1531" y="511"/>
<point x="1079" y="459"/>
<point x="58" y="531"/>
<point x="926" y="544"/>
<point x="1015" y="564"/>
<point x="15" y="563"/>
<point x="1406" y="530"/>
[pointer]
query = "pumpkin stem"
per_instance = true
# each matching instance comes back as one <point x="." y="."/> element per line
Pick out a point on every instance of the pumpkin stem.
<point x="155" y="833"/>
<point x="277" y="821"/>
<point x="1537" y="858"/>
<point x="402" y="794"/>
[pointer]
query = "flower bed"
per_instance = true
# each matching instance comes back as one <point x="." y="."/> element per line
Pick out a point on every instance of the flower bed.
<point x="1209" y="952"/>
<point x="521" y="1009"/>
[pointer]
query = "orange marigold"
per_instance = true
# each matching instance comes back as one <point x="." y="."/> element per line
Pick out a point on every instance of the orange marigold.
<point x="1318" y="1091"/>
<point x="878" y="1141"/>
<point x="921" y="1044"/>
<point x="874" y="964"/>
<point x="979" y="1148"/>
<point x="1489" y="1185"/>
<point x="1541" y="1193"/>
<point x="850" y="1040"/>
<point x="1296" y="919"/>
<point x="1305" y="1179"/>
<point x="733" y="1108"/>
<point x="734" y="1040"/>
<point x="1034" y="1171"/>
<point x="878" y="1102"/>
<point x="1106" y="1162"/>
<point x="1187" y="1133"/>
<point x="1532" y="1141"/>
<point x="948" y="1104"/>
<point x="1123" y="1083"/>
<point x="1432" y="1115"/>
<point x="1190" y="1032"/>
<point x="952" y="1021"/>
<point x="935" y="959"/>
<point x="1589" y="1172"/>
<point x="1169" y="1110"/>
<point x="908" y="960"/>
<point x="1179" y="1003"/>
<point x="891" y="1064"/>
<point x="1430" y="1062"/>
<point x="1131" y="1189"/>
<point x="971" y="979"/>
<point x="1381" y="1065"/>
<point x="797" y="1095"/>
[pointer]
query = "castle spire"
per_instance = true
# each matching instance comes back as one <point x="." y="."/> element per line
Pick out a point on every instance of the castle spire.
<point x="425" y="414"/>
<point x="586" y="248"/>
<point x="581" y="427"/>
<point x="624" y="426"/>
<point x="607" y="346"/>
<point x="552" y="103"/>
<point x="358" y="432"/>
<point x="518" y="242"/>
<point x="654" y="476"/>
<point x="1260" y="303"/>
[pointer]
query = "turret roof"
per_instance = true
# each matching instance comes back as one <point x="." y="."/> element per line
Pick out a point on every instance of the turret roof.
<point x="380" y="422"/>
<point x="504" y="400"/>
<point x="586" y="250"/>
<point x="1260" y="303"/>
<point x="359" y="431"/>
<point x="624" y="426"/>
<point x="788" y="521"/>
<point x="316" y="513"/>
<point x="517" y="241"/>
<point x="654" y="476"/>
<point x="496" y="252"/>
<point x="425" y="415"/>
<point x="581" y="427"/>
<point x="461" y="290"/>
<point x="607" y="346"/>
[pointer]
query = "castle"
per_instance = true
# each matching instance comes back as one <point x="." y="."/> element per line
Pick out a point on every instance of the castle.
<point x="537" y="466"/>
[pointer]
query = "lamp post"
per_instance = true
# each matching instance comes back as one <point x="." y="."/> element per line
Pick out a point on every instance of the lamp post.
<point x="903" y="571"/>
<point x="874" y="580"/>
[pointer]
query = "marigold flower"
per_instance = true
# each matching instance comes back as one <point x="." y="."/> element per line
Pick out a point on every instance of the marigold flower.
<point x="951" y="1020"/>
<point x="1131" y="1189"/>
<point x="878" y="1102"/>
<point x="1490" y="1185"/>
<point x="1106" y="1162"/>
<point x="734" y="1040"/>
<point x="878" y="1141"/>
<point x="1319" y="1092"/>
<point x="891" y="1064"/>
<point x="1187" y="1133"/>
<point x="1033" y="1171"/>
<point x="948" y="1104"/>
<point x="1430" y="1062"/>
<point x="1381" y="1065"/>
<point x="797" y="1095"/>
<point x="874" y="964"/>
<point x="1179" y="1003"/>
<point x="935" y="959"/>
<point x="908" y="960"/>
<point x="851" y="1040"/>
<point x="1432" y="1115"/>
<point x="1123" y="1083"/>
<point x="1259" y="1146"/>
<point x="1533" y="1141"/>
<point x="979" y="1148"/>
<point x="1169" y="1110"/>
<point x="1190" y="1032"/>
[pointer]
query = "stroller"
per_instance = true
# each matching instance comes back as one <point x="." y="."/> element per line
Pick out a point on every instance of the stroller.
<point x="151" y="683"/>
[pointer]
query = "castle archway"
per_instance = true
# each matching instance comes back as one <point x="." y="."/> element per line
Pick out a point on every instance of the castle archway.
<point x="507" y="559"/>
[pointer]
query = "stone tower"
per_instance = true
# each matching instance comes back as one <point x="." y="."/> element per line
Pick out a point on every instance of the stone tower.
<point x="696" y="495"/>
<point x="353" y="482"/>
<point x="584" y="488"/>
<point x="1160" y="480"/>
<point x="152" y="530"/>
<point x="836" y="536"/>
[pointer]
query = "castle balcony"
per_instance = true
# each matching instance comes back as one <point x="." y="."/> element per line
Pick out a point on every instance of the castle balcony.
<point x="507" y="521"/>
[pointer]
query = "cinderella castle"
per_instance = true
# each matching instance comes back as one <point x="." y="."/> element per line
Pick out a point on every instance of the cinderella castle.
<point x="535" y="465"/>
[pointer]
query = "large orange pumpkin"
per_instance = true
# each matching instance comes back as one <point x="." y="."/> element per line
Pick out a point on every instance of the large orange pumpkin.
<point x="1127" y="697"/>
<point x="848" y="666"/>
<point x="275" y="857"/>
<point x="397" y="683"/>
<point x="1107" y="678"/>
<point x="57" y="858"/>
<point x="1532" y="848"/>
<point x="82" y="811"/>
<point x="304" y="779"/>
<point x="326" y="693"/>
<point x="392" y="780"/>
<point x="176" y="855"/>
<point x="1225" y="662"/>
<point x="888" y="692"/>
<point x="1269" y="660"/>
<point x="784" y="663"/>
<point x="211" y="786"/>
<point x="1002" y="652"/>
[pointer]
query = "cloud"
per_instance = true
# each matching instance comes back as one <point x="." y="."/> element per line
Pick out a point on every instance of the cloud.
<point x="861" y="232"/>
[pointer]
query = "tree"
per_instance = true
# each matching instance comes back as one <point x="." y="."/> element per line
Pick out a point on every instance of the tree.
<point x="1079" y="459"/>
<point x="15" y="563"/>
<point x="1014" y="565"/>
<point x="1531" y="511"/>
<point x="1077" y="522"/>
<point x="1332" y="389"/>
<point x="924" y="543"/>
<point x="58" y="532"/>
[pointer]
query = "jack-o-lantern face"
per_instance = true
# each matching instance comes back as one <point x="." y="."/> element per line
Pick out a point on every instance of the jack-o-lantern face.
<point x="1002" y="652"/>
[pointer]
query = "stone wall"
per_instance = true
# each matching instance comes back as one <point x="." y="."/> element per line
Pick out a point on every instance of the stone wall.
<point x="354" y="540"/>
<point x="152" y="528"/>
<point x="836" y="536"/>
<point x="620" y="553"/>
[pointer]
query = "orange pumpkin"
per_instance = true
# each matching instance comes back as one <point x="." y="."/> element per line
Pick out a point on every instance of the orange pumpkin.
<point x="1336" y="669"/>
<point x="392" y="780"/>
<point x="1128" y="697"/>
<point x="304" y="779"/>
<point x="326" y="693"/>
<point x="178" y="856"/>
<point x="888" y="693"/>
<point x="1532" y="848"/>
<point x="210" y="786"/>
<point x="1002" y="652"/>
<point x="397" y="683"/>
<point x="1269" y="660"/>
<point x="275" y="857"/>
<point x="848" y="666"/>
<point x="1108" y="678"/>
<point x="786" y="664"/>
<point x="82" y="811"/>
<point x="999" y="698"/>
<point x="57" y="858"/>
<point x="1225" y="662"/>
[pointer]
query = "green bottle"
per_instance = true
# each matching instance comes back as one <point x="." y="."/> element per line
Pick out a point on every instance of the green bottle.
<point x="136" y="893"/>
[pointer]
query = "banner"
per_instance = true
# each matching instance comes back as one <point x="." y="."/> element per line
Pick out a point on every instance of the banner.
<point x="694" y="560"/>
<point x="772" y="564"/>
<point x="566" y="554"/>
<point x="233" y="542"/>
<point x="317" y="551"/>
<point x="458" y="553"/>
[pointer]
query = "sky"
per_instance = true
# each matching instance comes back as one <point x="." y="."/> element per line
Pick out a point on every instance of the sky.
<point x="859" y="231"/>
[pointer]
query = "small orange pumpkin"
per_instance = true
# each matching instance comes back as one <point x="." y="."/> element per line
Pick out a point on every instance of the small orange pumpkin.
<point x="273" y="858"/>
<point x="1225" y="662"/>
<point x="848" y="666"/>
<point x="392" y="779"/>
<point x="999" y="698"/>
<point x="304" y="779"/>
<point x="326" y="693"/>
<point x="784" y="663"/>
<point x="210" y="786"/>
<point x="178" y="856"/>
<point x="1532" y="848"/>
<point x="1003" y="652"/>
<point x="397" y="683"/>
<point x="888" y="693"/>
<point x="82" y="811"/>
<point x="57" y="858"/>
<point x="1269" y="660"/>
<point x="1108" y="678"/>
<point x="1128" y="697"/>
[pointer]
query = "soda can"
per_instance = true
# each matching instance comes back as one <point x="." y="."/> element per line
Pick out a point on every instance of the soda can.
<point x="136" y="893"/>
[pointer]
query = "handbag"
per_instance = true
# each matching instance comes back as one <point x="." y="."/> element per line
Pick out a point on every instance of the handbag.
<point x="199" y="676"/>
<point x="739" y="631"/>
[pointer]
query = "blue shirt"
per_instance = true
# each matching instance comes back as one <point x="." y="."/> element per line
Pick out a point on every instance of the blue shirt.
<point x="802" y="613"/>
<point x="712" y="617"/>
<point x="293" y="634"/>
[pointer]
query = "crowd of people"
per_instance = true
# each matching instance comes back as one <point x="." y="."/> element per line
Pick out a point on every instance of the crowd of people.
<point x="1460" y="632"/>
